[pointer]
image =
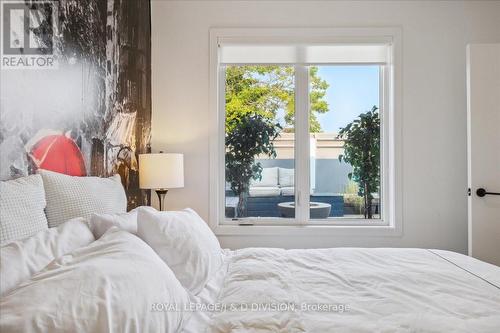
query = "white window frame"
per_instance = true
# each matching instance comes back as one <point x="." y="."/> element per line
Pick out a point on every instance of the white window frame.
<point x="390" y="223"/>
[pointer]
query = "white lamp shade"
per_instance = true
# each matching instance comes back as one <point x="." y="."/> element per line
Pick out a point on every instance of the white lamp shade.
<point x="161" y="171"/>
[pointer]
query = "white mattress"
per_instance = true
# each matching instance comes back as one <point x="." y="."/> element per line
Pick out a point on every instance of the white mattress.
<point x="359" y="290"/>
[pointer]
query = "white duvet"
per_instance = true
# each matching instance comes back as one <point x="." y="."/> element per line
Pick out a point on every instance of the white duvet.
<point x="357" y="290"/>
<point x="107" y="286"/>
<point x="112" y="285"/>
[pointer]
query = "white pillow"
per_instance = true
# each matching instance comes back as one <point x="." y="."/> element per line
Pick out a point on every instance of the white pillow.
<point x="286" y="177"/>
<point x="115" y="284"/>
<point x="269" y="178"/>
<point x="100" y="223"/>
<point x="21" y="259"/>
<point x="69" y="197"/>
<point x="22" y="204"/>
<point x="184" y="242"/>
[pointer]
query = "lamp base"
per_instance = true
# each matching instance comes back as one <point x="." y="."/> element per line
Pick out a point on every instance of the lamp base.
<point x="161" y="197"/>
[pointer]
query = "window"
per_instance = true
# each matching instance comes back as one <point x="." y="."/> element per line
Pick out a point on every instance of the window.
<point x="259" y="140"/>
<point x="303" y="129"/>
<point x="344" y="130"/>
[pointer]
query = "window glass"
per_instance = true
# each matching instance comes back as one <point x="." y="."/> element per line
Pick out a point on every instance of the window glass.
<point x="345" y="142"/>
<point x="259" y="141"/>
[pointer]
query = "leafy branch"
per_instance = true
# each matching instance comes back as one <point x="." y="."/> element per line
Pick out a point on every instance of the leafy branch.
<point x="362" y="150"/>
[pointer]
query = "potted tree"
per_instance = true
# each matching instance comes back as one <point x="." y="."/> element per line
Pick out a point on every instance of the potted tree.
<point x="248" y="137"/>
<point x="362" y="150"/>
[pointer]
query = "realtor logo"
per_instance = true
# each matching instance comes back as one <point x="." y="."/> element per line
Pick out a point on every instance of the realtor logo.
<point x="28" y="30"/>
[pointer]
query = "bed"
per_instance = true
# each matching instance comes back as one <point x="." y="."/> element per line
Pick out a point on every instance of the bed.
<point x="105" y="270"/>
<point x="263" y="290"/>
<point x="353" y="290"/>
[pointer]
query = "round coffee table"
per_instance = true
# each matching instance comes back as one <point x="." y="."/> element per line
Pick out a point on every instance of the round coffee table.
<point x="317" y="210"/>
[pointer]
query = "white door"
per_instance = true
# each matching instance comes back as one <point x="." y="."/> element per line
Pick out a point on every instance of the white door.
<point x="483" y="122"/>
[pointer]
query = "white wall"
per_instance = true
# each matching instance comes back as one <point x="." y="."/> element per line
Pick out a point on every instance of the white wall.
<point x="435" y="34"/>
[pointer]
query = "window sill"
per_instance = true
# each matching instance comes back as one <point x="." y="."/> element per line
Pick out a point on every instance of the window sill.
<point x="309" y="230"/>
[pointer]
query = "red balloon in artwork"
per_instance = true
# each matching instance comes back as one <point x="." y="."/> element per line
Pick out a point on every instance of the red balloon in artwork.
<point x="58" y="153"/>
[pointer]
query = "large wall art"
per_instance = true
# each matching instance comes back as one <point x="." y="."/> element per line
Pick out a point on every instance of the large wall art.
<point x="76" y="88"/>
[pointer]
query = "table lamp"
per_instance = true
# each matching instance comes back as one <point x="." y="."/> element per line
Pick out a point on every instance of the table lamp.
<point x="161" y="172"/>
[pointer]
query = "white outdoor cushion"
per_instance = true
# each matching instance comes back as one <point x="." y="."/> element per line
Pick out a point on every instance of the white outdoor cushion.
<point x="259" y="191"/>
<point x="22" y="204"/>
<point x="286" y="177"/>
<point x="288" y="191"/>
<point x="269" y="178"/>
<point x="100" y="223"/>
<point x="19" y="260"/>
<point x="184" y="242"/>
<point x="69" y="197"/>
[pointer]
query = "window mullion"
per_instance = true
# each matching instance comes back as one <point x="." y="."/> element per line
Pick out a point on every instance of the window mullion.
<point x="383" y="167"/>
<point x="302" y="145"/>
<point x="221" y="131"/>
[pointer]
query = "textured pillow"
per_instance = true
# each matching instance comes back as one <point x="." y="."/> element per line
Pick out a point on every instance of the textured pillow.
<point x="184" y="242"/>
<point x="22" y="204"/>
<point x="69" y="197"/>
<point x="269" y="178"/>
<point x="20" y="260"/>
<point x="100" y="223"/>
<point x="286" y="177"/>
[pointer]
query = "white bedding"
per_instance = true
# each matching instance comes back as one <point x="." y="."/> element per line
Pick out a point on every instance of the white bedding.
<point x="110" y="285"/>
<point x="21" y="259"/>
<point x="199" y="320"/>
<point x="378" y="290"/>
<point x="184" y="242"/>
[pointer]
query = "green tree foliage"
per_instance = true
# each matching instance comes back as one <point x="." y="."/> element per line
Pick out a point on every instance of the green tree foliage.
<point x="362" y="150"/>
<point x="251" y="135"/>
<point x="254" y="96"/>
<point x="263" y="90"/>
